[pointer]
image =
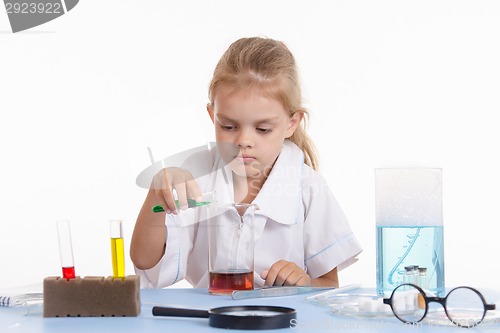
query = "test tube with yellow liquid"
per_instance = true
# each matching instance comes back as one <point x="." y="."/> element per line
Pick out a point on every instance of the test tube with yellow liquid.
<point x="117" y="248"/>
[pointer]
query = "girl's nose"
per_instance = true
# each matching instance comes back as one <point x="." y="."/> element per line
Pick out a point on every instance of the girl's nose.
<point x="244" y="139"/>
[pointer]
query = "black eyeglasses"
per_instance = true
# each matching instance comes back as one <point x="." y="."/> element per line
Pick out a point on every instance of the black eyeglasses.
<point x="464" y="306"/>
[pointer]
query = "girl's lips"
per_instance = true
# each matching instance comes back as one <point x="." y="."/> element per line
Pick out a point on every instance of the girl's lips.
<point x="244" y="159"/>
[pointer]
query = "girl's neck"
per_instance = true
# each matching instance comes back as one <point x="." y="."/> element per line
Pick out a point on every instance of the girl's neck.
<point x="246" y="189"/>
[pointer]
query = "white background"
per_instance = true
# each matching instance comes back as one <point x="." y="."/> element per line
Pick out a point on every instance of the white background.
<point x="388" y="83"/>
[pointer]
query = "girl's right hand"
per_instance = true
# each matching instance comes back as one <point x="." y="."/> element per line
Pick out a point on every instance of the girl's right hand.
<point x="180" y="180"/>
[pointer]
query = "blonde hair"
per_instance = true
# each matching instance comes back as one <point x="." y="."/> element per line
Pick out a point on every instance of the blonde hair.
<point x="268" y="67"/>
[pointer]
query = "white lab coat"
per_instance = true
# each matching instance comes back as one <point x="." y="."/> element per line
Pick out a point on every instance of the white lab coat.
<point x="298" y="220"/>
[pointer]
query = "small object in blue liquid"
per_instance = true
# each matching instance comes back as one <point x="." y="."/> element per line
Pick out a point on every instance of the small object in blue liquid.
<point x="411" y="274"/>
<point x="422" y="277"/>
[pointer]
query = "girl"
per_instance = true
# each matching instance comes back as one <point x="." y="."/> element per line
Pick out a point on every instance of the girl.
<point x="265" y="156"/>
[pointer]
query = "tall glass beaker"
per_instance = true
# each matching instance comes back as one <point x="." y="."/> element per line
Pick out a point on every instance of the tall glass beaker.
<point x="230" y="247"/>
<point x="409" y="219"/>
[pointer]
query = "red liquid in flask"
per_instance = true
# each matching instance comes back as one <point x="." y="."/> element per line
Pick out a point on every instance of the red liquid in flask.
<point x="227" y="282"/>
<point x="68" y="272"/>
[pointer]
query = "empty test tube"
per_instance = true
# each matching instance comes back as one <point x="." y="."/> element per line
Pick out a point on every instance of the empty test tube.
<point x="66" y="249"/>
<point x="117" y="248"/>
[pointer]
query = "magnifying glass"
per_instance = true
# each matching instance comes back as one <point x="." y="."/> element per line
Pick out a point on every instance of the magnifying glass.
<point x="247" y="317"/>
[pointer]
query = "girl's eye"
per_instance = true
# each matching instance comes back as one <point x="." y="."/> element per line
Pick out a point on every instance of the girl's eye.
<point x="264" y="130"/>
<point x="227" y="127"/>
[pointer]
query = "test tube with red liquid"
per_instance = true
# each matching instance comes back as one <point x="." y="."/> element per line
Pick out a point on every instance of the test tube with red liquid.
<point x="66" y="249"/>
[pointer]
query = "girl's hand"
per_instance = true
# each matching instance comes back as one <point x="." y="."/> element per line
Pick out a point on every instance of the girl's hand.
<point x="180" y="180"/>
<point x="285" y="273"/>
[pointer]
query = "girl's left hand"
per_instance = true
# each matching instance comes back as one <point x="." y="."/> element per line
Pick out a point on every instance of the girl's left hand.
<point x="285" y="273"/>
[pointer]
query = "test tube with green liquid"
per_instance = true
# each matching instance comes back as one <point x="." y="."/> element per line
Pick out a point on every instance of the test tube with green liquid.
<point x="117" y="248"/>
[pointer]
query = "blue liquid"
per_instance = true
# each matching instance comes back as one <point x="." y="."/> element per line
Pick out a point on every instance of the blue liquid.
<point x="399" y="246"/>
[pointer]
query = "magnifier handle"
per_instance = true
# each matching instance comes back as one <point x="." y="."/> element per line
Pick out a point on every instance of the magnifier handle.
<point x="178" y="312"/>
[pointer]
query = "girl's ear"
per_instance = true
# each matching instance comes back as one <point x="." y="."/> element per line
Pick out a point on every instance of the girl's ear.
<point x="210" y="111"/>
<point x="294" y="123"/>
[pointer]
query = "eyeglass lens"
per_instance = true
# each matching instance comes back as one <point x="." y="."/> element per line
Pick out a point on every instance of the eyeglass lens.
<point x="464" y="306"/>
<point x="408" y="304"/>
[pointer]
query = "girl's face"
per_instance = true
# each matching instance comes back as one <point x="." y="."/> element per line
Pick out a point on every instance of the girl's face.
<point x="250" y="129"/>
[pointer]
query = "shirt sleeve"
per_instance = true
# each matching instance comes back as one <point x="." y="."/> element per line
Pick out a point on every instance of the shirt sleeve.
<point x="171" y="267"/>
<point x="328" y="239"/>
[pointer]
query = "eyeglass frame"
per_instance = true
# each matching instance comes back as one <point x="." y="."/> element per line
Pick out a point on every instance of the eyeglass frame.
<point x="440" y="300"/>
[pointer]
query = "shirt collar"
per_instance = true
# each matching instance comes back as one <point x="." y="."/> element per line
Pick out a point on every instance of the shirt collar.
<point x="280" y="195"/>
